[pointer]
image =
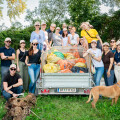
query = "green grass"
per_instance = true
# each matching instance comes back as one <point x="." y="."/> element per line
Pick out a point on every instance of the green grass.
<point x="70" y="108"/>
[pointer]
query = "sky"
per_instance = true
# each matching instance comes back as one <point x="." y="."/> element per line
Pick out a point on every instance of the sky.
<point x="31" y="4"/>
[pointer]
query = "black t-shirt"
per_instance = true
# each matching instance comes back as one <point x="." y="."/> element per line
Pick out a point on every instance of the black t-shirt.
<point x="22" y="56"/>
<point x="35" y="58"/>
<point x="11" y="80"/>
<point x="50" y="34"/>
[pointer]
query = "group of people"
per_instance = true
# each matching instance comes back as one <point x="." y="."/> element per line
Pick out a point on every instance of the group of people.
<point x="15" y="78"/>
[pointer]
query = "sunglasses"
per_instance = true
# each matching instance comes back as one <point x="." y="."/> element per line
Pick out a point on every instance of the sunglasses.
<point x="112" y="41"/>
<point x="22" y="43"/>
<point x="12" y="69"/>
<point x="69" y="28"/>
<point x="8" y="41"/>
<point x="35" y="44"/>
<point x="37" y="25"/>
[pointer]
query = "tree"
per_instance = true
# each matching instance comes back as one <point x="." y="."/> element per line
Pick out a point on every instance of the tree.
<point x="15" y="8"/>
<point x="49" y="11"/>
<point x="83" y="10"/>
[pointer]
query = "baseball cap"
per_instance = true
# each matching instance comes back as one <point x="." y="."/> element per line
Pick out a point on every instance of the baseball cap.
<point x="53" y="25"/>
<point x="12" y="66"/>
<point x="22" y="41"/>
<point x="37" y="23"/>
<point x="35" y="41"/>
<point x="118" y="42"/>
<point x="94" y="41"/>
<point x="106" y="43"/>
<point x="7" y="39"/>
<point x="43" y="23"/>
<point x="64" y="29"/>
<point x="58" y="28"/>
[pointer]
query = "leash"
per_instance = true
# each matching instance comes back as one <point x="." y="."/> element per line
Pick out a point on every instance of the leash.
<point x="34" y="114"/>
<point x="117" y="84"/>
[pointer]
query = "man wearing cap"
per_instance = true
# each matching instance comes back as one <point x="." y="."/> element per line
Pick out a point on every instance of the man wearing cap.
<point x="12" y="83"/>
<point x="50" y="33"/>
<point x="63" y="26"/>
<point x="7" y="55"/>
<point x="38" y="35"/>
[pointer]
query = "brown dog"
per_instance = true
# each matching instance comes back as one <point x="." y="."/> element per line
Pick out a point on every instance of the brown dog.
<point x="106" y="91"/>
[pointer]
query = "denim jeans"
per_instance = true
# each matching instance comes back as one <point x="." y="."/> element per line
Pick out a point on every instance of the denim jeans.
<point x="98" y="75"/>
<point x="109" y="80"/>
<point x="33" y="71"/>
<point x="4" y="71"/>
<point x="16" y="90"/>
<point x="40" y="46"/>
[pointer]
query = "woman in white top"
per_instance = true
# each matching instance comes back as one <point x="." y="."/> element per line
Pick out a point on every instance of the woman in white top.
<point x="97" y="61"/>
<point x="45" y="43"/>
<point x="73" y="38"/>
<point x="65" y="37"/>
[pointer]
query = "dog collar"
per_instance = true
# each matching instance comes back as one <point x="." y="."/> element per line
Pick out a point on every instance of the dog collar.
<point x="117" y="84"/>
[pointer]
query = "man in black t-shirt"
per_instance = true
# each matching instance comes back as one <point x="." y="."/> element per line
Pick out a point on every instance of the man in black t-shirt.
<point x="12" y="83"/>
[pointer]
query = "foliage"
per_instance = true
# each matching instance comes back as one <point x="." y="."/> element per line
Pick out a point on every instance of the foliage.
<point x="49" y="11"/>
<point x="83" y="10"/>
<point x="15" y="8"/>
<point x="16" y="35"/>
<point x="108" y="26"/>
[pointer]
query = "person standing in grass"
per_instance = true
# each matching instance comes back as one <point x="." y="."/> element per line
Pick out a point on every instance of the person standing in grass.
<point x="108" y="59"/>
<point x="38" y="35"/>
<point x="33" y="55"/>
<point x="96" y="60"/>
<point x="7" y="55"/>
<point x="117" y="61"/>
<point x="21" y="66"/>
<point x="12" y="83"/>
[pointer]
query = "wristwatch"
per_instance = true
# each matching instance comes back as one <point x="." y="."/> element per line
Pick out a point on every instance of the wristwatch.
<point x="7" y="57"/>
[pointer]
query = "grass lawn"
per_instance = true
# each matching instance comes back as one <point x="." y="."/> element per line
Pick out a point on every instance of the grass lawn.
<point x="70" y="108"/>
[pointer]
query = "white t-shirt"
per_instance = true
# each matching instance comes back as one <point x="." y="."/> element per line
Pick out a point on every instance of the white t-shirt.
<point x="46" y="35"/>
<point x="65" y="40"/>
<point x="97" y="54"/>
<point x="73" y="39"/>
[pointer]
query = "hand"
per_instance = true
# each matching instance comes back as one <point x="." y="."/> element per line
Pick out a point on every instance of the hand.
<point x="18" y="69"/>
<point x="4" y="57"/>
<point x="115" y="63"/>
<point x="118" y="64"/>
<point x="108" y="74"/>
<point x="28" y="64"/>
<point x="15" y="95"/>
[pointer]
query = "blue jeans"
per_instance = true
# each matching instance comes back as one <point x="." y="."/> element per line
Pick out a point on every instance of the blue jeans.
<point x="109" y="80"/>
<point x="99" y="44"/>
<point x="16" y="90"/>
<point x="4" y="71"/>
<point x="40" y="46"/>
<point x="33" y="72"/>
<point x="98" y="75"/>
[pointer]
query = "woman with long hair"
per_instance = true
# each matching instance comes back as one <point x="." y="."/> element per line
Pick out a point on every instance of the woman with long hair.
<point x="73" y="38"/>
<point x="21" y="66"/>
<point x="108" y="59"/>
<point x="96" y="60"/>
<point x="33" y="55"/>
<point x="89" y="34"/>
<point x="65" y="37"/>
